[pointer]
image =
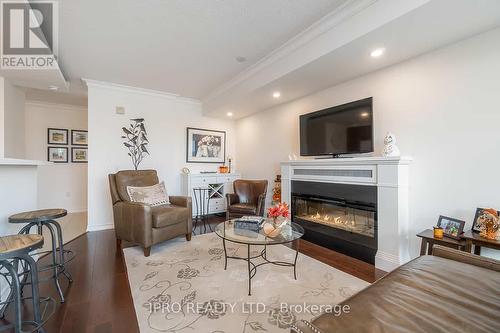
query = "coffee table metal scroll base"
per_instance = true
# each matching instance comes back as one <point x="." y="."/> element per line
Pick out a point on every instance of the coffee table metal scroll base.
<point x="252" y="267"/>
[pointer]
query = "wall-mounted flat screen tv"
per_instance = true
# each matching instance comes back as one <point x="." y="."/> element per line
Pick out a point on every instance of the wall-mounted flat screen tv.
<point x="342" y="129"/>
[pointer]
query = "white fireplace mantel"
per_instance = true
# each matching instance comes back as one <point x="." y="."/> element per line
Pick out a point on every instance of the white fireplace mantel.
<point x="389" y="174"/>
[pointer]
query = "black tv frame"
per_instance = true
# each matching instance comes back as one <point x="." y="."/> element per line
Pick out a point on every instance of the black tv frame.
<point x="335" y="109"/>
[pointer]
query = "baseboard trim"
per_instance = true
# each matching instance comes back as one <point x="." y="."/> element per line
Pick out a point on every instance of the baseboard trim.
<point x="100" y="227"/>
<point x="386" y="261"/>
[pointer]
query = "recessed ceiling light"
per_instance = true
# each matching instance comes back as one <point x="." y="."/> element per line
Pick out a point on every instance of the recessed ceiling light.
<point x="229" y="114"/>
<point x="365" y="114"/>
<point x="54" y="88"/>
<point x="276" y="94"/>
<point x="240" y="59"/>
<point x="377" y="52"/>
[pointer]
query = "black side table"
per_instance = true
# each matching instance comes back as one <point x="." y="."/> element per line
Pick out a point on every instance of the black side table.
<point x="201" y="197"/>
<point x="428" y="239"/>
<point x="46" y="218"/>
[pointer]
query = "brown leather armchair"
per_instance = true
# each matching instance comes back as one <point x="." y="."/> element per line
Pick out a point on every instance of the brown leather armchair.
<point x="143" y="224"/>
<point x="249" y="198"/>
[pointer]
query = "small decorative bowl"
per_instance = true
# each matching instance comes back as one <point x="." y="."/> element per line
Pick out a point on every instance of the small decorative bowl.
<point x="270" y="230"/>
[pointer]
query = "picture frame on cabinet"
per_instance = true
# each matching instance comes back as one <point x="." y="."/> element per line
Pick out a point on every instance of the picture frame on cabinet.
<point x="452" y="228"/>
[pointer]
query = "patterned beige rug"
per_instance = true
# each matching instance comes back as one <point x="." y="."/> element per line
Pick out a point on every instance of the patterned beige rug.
<point x="183" y="287"/>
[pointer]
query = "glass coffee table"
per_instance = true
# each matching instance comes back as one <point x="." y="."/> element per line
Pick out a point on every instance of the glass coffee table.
<point x="242" y="233"/>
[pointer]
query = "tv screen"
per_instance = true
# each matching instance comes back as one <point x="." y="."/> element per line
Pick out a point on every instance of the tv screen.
<point x="343" y="129"/>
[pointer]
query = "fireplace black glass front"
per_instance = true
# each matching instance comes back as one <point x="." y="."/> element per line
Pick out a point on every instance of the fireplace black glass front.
<point x="342" y="217"/>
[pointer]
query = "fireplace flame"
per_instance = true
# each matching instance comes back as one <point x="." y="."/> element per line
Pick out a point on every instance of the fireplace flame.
<point x="346" y="220"/>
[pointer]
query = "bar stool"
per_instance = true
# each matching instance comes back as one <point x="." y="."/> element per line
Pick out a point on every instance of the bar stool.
<point x="202" y="203"/>
<point x="45" y="218"/>
<point x="13" y="249"/>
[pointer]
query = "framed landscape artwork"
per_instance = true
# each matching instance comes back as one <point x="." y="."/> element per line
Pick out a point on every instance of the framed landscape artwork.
<point x="452" y="228"/>
<point x="57" y="136"/>
<point x="79" y="137"/>
<point x="205" y="146"/>
<point x="79" y="155"/>
<point x="57" y="154"/>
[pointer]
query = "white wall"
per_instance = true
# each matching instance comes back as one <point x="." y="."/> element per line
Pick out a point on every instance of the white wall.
<point x="18" y="182"/>
<point x="14" y="128"/>
<point x="2" y="116"/>
<point x="59" y="185"/>
<point x="12" y="115"/>
<point x="166" y="119"/>
<point x="443" y="108"/>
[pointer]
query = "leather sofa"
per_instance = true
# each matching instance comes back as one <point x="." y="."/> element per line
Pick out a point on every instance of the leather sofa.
<point x="249" y="198"/>
<point x="450" y="291"/>
<point x="142" y="224"/>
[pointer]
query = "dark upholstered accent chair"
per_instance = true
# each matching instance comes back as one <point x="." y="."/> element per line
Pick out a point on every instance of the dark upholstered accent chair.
<point x="142" y="224"/>
<point x="249" y="198"/>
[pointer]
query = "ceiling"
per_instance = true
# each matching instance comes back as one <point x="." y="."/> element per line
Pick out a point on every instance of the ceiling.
<point x="60" y="97"/>
<point x="189" y="47"/>
<point x="432" y="25"/>
<point x="184" y="47"/>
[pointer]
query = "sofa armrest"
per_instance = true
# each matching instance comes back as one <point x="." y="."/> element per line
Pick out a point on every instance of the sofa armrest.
<point x="133" y="222"/>
<point x="232" y="199"/>
<point x="465" y="257"/>
<point x="184" y="201"/>
<point x="303" y="326"/>
<point x="180" y="201"/>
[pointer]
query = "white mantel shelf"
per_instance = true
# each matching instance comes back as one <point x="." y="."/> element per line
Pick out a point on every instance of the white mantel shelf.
<point x="21" y="162"/>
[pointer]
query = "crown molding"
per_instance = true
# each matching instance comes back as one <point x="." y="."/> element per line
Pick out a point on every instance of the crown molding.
<point x="325" y="24"/>
<point x="56" y="105"/>
<point x="137" y="90"/>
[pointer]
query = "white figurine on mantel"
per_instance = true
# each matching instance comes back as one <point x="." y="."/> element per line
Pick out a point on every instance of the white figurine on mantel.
<point x="390" y="148"/>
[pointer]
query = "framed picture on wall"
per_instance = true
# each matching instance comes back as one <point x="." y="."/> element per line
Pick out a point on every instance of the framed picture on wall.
<point x="79" y="155"/>
<point x="57" y="154"/>
<point x="452" y="228"/>
<point x="79" y="137"/>
<point x="57" y="136"/>
<point x="205" y="146"/>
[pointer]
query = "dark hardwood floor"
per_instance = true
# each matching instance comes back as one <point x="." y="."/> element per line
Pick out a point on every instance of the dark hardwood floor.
<point x="99" y="299"/>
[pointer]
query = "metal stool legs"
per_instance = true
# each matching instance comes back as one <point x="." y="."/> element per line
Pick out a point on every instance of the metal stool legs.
<point x="15" y="294"/>
<point x="35" y="295"/>
<point x="62" y="261"/>
<point x="55" y="266"/>
<point x="58" y="265"/>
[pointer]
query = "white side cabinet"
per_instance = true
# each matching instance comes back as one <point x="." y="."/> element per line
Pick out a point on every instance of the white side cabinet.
<point x="218" y="184"/>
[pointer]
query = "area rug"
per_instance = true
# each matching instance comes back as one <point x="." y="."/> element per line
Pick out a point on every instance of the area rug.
<point x="183" y="287"/>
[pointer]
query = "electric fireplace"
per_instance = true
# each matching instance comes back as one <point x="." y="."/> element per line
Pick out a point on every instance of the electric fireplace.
<point x="342" y="217"/>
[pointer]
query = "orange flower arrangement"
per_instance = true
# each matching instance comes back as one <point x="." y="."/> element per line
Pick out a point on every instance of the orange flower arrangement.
<point x="280" y="209"/>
